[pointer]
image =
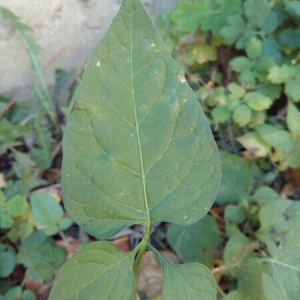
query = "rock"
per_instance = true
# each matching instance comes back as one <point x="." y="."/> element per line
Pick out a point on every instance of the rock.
<point x="67" y="30"/>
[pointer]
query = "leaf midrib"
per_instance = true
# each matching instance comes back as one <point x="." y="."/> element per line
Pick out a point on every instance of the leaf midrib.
<point x="148" y="222"/>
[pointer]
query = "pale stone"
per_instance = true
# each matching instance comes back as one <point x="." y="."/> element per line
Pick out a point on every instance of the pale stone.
<point x="67" y="30"/>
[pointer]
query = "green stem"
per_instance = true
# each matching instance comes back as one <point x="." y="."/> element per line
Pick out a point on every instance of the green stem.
<point x="157" y="297"/>
<point x="220" y="291"/>
<point x="236" y="263"/>
<point x="142" y="250"/>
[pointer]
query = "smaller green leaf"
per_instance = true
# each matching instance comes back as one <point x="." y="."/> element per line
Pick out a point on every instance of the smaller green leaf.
<point x="2" y="198"/>
<point x="272" y="91"/>
<point x="221" y="12"/>
<point x="293" y="118"/>
<point x="17" y="205"/>
<point x="231" y="229"/>
<point x="41" y="256"/>
<point x="272" y="23"/>
<point x="241" y="63"/>
<point x="51" y="230"/>
<point x="98" y="267"/>
<point x="235" y="214"/>
<point x="236" y="177"/>
<point x="187" y="278"/>
<point x="248" y="77"/>
<point x="14" y="293"/>
<point x="264" y="64"/>
<point x="221" y="114"/>
<point x="46" y="209"/>
<point x="293" y="8"/>
<point x="292" y="89"/>
<point x="277" y="138"/>
<point x="10" y="131"/>
<point x="188" y="245"/>
<point x="290" y="37"/>
<point x="271" y="48"/>
<point x="65" y="223"/>
<point x="278" y="217"/>
<point x="257" y="101"/>
<point x="232" y="102"/>
<point x="236" y="90"/>
<point x="7" y="260"/>
<point x="286" y="266"/>
<point x="249" y="277"/>
<point x="242" y="115"/>
<point x="234" y="246"/>
<point x="252" y="142"/>
<point x="202" y="52"/>
<point x="258" y="117"/>
<point x="236" y="27"/>
<point x="279" y="75"/>
<point x="254" y="48"/>
<point x="187" y="15"/>
<point x="257" y="11"/>
<point x="264" y="195"/>
<point x="291" y="159"/>
<point x="6" y="221"/>
<point x="28" y="295"/>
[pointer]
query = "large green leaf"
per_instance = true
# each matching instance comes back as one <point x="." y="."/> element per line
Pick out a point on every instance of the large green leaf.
<point x="137" y="147"/>
<point x="98" y="271"/>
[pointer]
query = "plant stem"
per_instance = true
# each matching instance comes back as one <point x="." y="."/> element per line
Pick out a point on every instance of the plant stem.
<point x="158" y="297"/>
<point x="236" y="262"/>
<point x="220" y="291"/>
<point x="142" y="250"/>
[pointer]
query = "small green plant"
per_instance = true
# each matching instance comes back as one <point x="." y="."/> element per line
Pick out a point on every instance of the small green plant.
<point x="257" y="67"/>
<point x="137" y="150"/>
<point x="29" y="227"/>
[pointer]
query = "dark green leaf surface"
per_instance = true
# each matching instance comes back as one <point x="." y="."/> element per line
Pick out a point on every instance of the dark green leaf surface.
<point x="277" y="138"/>
<point x="286" y="267"/>
<point x="196" y="242"/>
<point x="46" y="209"/>
<point x="293" y="7"/>
<point x="257" y="11"/>
<point x="28" y="295"/>
<point x="137" y="147"/>
<point x="278" y="217"/>
<point x="292" y="89"/>
<point x="293" y="118"/>
<point x="236" y="177"/>
<point x="98" y="271"/>
<point x="191" y="281"/>
<point x="7" y="260"/>
<point x="41" y="256"/>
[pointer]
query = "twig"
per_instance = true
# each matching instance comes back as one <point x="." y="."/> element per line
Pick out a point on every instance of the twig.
<point x="158" y="297"/>
<point x="236" y="262"/>
<point x="220" y="291"/>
